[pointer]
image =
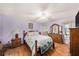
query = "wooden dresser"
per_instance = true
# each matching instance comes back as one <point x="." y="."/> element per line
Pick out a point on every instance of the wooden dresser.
<point x="74" y="41"/>
<point x="56" y="33"/>
<point x="16" y="41"/>
<point x="56" y="37"/>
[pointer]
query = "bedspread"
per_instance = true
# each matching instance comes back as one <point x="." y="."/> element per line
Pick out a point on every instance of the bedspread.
<point x="44" y="42"/>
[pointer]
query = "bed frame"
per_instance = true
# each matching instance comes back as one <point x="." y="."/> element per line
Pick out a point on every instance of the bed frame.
<point x="37" y="51"/>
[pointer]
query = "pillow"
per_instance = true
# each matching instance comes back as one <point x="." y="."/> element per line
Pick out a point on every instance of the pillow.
<point x="32" y="33"/>
<point x="35" y="33"/>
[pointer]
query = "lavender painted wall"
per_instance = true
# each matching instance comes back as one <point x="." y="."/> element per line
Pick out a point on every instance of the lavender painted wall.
<point x="62" y="22"/>
<point x="11" y="25"/>
<point x="1" y="28"/>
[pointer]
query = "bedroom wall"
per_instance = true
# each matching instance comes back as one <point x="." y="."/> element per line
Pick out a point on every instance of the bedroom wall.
<point x="62" y="22"/>
<point x="1" y="32"/>
<point x="11" y="25"/>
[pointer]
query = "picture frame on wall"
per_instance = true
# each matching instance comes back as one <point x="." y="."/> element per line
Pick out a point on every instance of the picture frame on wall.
<point x="30" y="25"/>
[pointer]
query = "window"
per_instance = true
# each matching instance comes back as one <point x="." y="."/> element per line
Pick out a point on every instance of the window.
<point x="66" y="29"/>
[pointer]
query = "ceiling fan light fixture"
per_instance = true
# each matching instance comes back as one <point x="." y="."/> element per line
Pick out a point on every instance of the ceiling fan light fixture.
<point x="43" y="15"/>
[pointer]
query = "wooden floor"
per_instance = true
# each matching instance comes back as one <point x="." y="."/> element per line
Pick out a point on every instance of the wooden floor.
<point x="60" y="50"/>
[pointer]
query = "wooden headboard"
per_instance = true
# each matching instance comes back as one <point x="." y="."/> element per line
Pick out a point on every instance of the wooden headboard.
<point x="25" y="33"/>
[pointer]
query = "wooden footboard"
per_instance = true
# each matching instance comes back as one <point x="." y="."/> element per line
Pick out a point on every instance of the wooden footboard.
<point x="37" y="50"/>
<point x="35" y="47"/>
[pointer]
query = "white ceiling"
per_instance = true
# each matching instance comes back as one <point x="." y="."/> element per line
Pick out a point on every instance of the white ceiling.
<point x="30" y="11"/>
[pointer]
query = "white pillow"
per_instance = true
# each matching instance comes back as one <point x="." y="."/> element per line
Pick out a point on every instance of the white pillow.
<point x="35" y="33"/>
<point x="32" y="33"/>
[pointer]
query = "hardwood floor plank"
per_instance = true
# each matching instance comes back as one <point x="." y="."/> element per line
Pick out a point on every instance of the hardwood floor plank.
<point x="60" y="50"/>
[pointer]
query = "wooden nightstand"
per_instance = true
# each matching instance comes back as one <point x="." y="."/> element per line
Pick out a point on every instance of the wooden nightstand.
<point x="16" y="42"/>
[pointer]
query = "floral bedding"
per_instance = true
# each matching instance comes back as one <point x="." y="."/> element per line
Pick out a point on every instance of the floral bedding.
<point x="44" y="42"/>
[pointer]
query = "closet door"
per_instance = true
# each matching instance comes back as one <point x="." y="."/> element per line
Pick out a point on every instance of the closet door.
<point x="74" y="41"/>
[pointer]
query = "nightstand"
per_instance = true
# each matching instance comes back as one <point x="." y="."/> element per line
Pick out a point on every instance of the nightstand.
<point x="16" y="41"/>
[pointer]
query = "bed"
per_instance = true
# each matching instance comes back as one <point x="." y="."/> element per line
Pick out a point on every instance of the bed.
<point x="38" y="43"/>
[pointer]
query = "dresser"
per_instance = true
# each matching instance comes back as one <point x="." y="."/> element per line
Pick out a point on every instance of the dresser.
<point x="74" y="41"/>
<point x="56" y="37"/>
<point x="15" y="42"/>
